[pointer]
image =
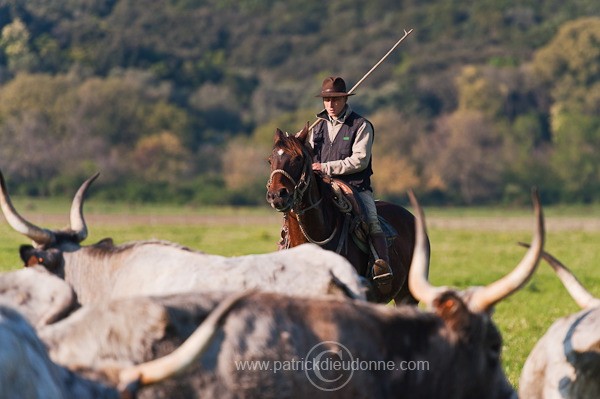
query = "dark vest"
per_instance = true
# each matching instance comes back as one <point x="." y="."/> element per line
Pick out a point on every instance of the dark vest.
<point x="341" y="148"/>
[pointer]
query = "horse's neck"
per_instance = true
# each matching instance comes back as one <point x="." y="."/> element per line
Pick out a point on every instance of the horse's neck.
<point x="319" y="221"/>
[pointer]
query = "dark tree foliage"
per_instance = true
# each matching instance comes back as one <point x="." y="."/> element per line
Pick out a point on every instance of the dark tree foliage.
<point x="199" y="73"/>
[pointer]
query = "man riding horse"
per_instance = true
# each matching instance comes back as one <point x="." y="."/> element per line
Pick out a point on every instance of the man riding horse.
<point x="342" y="143"/>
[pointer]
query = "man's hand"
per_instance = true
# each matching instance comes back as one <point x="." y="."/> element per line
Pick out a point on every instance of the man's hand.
<point x="316" y="166"/>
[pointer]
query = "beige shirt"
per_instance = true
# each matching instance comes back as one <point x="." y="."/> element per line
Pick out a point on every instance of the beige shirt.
<point x="361" y="149"/>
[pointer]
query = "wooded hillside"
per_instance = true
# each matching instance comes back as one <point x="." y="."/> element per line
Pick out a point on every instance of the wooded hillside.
<point x="178" y="100"/>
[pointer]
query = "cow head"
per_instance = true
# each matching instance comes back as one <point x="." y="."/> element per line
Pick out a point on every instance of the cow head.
<point x="48" y="245"/>
<point x="467" y="314"/>
<point x="51" y="258"/>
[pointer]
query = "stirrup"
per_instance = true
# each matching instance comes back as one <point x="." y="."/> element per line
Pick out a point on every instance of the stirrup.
<point x="381" y="278"/>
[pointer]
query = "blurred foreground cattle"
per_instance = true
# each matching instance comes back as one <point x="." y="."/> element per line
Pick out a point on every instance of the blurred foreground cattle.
<point x="565" y="362"/>
<point x="41" y="297"/>
<point x="273" y="345"/>
<point x="26" y="372"/>
<point x="106" y="271"/>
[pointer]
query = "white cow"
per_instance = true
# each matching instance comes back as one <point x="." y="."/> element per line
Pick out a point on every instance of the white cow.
<point x="27" y="372"/>
<point x="565" y="362"/>
<point x="106" y="271"/>
<point x="40" y="296"/>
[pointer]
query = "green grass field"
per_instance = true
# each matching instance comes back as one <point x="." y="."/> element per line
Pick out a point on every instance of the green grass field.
<point x="468" y="248"/>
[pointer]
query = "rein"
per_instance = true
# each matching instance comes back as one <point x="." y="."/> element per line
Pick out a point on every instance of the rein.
<point x="299" y="190"/>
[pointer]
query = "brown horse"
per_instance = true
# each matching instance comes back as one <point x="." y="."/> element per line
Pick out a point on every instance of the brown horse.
<point x="312" y="214"/>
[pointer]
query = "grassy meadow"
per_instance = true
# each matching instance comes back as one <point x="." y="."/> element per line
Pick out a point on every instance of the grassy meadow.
<point x="469" y="247"/>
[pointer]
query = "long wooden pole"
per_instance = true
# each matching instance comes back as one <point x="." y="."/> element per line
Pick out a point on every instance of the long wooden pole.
<point x="372" y="69"/>
<point x="380" y="61"/>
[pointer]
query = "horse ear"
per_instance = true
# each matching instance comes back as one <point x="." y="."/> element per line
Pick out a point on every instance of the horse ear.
<point x="303" y="134"/>
<point x="279" y="135"/>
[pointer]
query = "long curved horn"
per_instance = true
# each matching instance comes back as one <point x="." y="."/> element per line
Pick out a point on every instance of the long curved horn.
<point x="498" y="290"/>
<point x="39" y="235"/>
<point x="582" y="297"/>
<point x="418" y="284"/>
<point x="177" y="361"/>
<point x="77" y="221"/>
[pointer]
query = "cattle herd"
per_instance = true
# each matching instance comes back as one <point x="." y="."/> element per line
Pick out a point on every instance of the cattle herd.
<point x="154" y="319"/>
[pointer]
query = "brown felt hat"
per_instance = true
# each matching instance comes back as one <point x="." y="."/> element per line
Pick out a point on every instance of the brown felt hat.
<point x="334" y="86"/>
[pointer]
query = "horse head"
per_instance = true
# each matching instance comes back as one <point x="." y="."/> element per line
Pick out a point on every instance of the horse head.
<point x="291" y="170"/>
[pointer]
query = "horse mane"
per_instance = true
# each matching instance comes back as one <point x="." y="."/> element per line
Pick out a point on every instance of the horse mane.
<point x="292" y="145"/>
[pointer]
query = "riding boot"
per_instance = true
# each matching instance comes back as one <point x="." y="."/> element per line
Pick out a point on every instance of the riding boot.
<point x="382" y="273"/>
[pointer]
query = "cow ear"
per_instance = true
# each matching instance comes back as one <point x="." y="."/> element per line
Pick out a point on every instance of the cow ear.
<point x="27" y="254"/>
<point x="33" y="260"/>
<point x="451" y="308"/>
<point x="105" y="242"/>
<point x="51" y="259"/>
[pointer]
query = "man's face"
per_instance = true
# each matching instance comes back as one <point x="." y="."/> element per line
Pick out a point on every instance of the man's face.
<point x="334" y="105"/>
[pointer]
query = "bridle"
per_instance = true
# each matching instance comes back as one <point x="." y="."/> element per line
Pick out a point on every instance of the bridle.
<point x="300" y="188"/>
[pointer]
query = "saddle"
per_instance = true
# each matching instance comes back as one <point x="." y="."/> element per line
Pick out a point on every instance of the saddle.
<point x="354" y="207"/>
<point x="356" y="211"/>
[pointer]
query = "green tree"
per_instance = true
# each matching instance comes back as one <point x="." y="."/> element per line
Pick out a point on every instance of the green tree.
<point x="576" y="148"/>
<point x="571" y="59"/>
<point x="126" y="107"/>
<point x="15" y="42"/>
<point x="38" y="137"/>
<point x="570" y="67"/>
<point x="161" y="158"/>
<point x="50" y="97"/>
<point x="477" y="93"/>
